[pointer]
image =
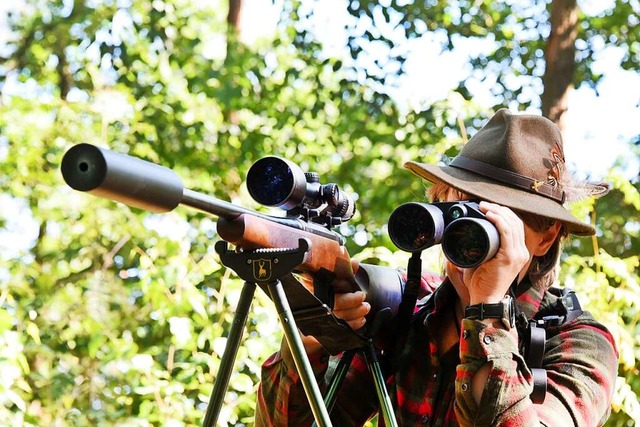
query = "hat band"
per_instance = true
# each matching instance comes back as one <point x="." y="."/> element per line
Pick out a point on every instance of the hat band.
<point x="508" y="177"/>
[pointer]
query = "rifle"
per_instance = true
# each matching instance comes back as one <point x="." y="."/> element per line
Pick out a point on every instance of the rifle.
<point x="312" y="210"/>
<point x="155" y="188"/>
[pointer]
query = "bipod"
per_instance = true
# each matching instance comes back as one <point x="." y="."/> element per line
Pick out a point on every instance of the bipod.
<point x="368" y="350"/>
<point x="265" y="267"/>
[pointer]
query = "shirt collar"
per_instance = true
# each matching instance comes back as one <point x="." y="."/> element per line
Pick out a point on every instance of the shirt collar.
<point x="443" y="296"/>
<point x="529" y="300"/>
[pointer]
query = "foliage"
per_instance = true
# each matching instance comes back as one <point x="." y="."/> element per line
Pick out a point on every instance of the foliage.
<point x="114" y="316"/>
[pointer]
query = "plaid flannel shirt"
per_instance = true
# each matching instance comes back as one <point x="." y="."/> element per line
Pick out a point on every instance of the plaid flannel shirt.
<point x="432" y="390"/>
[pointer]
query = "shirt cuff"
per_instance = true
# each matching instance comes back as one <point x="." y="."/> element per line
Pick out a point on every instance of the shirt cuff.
<point x="319" y="360"/>
<point x="481" y="344"/>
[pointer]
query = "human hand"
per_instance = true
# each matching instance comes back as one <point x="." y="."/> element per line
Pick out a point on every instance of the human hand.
<point x="350" y="307"/>
<point x="490" y="281"/>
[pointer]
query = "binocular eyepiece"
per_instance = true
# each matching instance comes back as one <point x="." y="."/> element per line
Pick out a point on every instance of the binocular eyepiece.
<point x="468" y="239"/>
<point x="277" y="182"/>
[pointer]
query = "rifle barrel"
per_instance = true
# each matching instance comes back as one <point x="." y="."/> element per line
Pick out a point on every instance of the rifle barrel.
<point x="214" y="206"/>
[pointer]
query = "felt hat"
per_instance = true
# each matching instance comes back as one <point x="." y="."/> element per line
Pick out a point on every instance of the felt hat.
<point x="515" y="160"/>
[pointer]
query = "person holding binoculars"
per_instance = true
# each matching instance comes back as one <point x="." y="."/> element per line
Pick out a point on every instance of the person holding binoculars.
<point x="464" y="357"/>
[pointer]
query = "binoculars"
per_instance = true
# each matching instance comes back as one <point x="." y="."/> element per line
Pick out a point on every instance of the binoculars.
<point x="468" y="239"/>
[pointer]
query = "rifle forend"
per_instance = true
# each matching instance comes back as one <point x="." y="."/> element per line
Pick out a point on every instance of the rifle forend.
<point x="145" y="185"/>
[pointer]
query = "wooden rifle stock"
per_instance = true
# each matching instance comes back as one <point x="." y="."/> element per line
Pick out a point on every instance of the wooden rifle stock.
<point x="326" y="256"/>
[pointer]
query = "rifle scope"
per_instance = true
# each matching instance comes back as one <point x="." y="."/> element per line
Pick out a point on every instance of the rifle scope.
<point x="468" y="239"/>
<point x="273" y="181"/>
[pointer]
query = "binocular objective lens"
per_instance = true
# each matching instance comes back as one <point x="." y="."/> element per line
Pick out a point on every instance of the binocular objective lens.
<point x="412" y="228"/>
<point x="465" y="243"/>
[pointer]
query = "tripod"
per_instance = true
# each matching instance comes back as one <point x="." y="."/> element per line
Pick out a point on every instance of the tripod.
<point x="268" y="268"/>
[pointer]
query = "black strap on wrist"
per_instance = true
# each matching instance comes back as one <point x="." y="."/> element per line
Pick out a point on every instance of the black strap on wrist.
<point x="484" y="311"/>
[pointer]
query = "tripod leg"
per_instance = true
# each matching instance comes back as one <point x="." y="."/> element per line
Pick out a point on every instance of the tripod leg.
<point x="386" y="408"/>
<point x="228" y="357"/>
<point x="299" y="355"/>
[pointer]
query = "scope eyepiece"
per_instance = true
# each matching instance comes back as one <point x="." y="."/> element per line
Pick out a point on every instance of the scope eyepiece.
<point x="343" y="205"/>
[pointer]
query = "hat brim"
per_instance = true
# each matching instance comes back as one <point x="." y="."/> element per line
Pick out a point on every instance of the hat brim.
<point x="493" y="191"/>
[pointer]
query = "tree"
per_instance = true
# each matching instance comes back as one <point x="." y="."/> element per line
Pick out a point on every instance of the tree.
<point x="114" y="316"/>
<point x="560" y="63"/>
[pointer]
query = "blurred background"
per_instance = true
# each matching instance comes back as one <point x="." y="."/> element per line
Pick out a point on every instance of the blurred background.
<point x="114" y="316"/>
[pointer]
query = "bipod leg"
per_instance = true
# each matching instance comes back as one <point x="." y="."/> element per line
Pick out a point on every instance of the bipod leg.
<point x="300" y="357"/>
<point x="228" y="357"/>
<point x="386" y="409"/>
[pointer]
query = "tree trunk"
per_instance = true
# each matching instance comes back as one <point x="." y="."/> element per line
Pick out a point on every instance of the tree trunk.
<point x="233" y="40"/>
<point x="233" y="17"/>
<point x="64" y="77"/>
<point x="560" y="59"/>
